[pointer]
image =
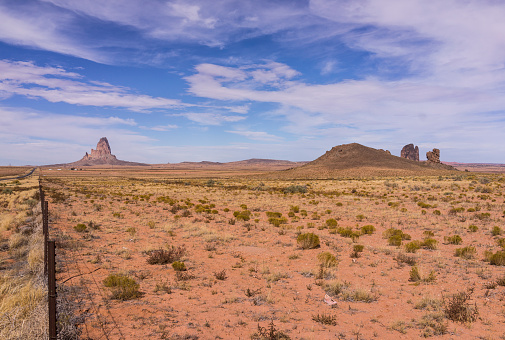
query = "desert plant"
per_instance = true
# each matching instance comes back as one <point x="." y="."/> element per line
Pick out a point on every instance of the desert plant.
<point x="473" y="228"/>
<point x="367" y="229"/>
<point x="496" y="231"/>
<point x="466" y="252"/>
<point x="403" y="258"/>
<point x="331" y="222"/>
<point x="122" y="287"/>
<point x="179" y="266"/>
<point x="162" y="256"/>
<point x="308" y="241"/>
<point x="455" y="239"/>
<point x="327" y="259"/>
<point x="413" y="246"/>
<point x="501" y="242"/>
<point x="457" y="308"/>
<point x="276" y="222"/>
<point x="244" y="215"/>
<point x="221" y="275"/>
<point x="80" y="228"/>
<point x="270" y="333"/>
<point x="356" y="250"/>
<point x="429" y="243"/>
<point x="325" y="319"/>
<point x="497" y="259"/>
<point x="416" y="275"/>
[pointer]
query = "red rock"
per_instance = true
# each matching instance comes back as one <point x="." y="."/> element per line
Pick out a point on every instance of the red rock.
<point x="410" y="152"/>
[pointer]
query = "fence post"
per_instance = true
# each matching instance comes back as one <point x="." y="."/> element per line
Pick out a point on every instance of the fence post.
<point x="51" y="290"/>
<point x="45" y="231"/>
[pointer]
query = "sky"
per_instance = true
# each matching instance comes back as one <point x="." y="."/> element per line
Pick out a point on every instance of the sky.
<point x="228" y="80"/>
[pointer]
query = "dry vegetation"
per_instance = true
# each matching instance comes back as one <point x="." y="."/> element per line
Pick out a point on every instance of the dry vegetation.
<point x="198" y="258"/>
<point x="23" y="292"/>
<point x="11" y="171"/>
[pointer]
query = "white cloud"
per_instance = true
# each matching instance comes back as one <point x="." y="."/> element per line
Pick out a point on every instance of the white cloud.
<point x="256" y="135"/>
<point x="56" y="85"/>
<point x="208" y="118"/>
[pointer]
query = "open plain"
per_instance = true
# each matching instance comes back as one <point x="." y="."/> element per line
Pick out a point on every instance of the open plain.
<point x="222" y="255"/>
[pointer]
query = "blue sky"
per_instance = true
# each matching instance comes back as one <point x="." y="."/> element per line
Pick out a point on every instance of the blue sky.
<point x="171" y="81"/>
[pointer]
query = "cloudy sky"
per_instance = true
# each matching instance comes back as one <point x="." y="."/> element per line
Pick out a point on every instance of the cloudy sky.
<point x="225" y="80"/>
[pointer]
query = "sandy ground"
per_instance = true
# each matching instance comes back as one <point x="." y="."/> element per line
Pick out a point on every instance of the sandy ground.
<point x="268" y="276"/>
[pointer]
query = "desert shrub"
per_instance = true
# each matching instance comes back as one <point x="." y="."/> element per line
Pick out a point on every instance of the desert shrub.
<point x="483" y="216"/>
<point x="403" y="258"/>
<point x="334" y="288"/>
<point x="473" y="228"/>
<point x="303" y="212"/>
<point x="356" y="250"/>
<point x="275" y="221"/>
<point x="80" y="228"/>
<point x="358" y="295"/>
<point x="497" y="259"/>
<point x="295" y="189"/>
<point x="424" y="205"/>
<point x="244" y="215"/>
<point x="122" y="287"/>
<point x="395" y="240"/>
<point x="501" y="242"/>
<point x="295" y="209"/>
<point x="466" y="252"/>
<point x="360" y="217"/>
<point x="429" y="243"/>
<point x="162" y="256"/>
<point x="455" y="239"/>
<point x="331" y="222"/>
<point x="437" y="212"/>
<point x="496" y="231"/>
<point x="457" y="308"/>
<point x="270" y="333"/>
<point x="433" y="324"/>
<point x="308" y="241"/>
<point x="428" y="233"/>
<point x="325" y="319"/>
<point x="221" y="275"/>
<point x="416" y="275"/>
<point x="179" y="266"/>
<point x="367" y="229"/>
<point x="273" y="214"/>
<point x="327" y="259"/>
<point x="413" y="246"/>
<point x="348" y="232"/>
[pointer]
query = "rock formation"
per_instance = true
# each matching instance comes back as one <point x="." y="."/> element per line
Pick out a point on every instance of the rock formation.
<point x="102" y="152"/>
<point x="410" y="152"/>
<point x="433" y="156"/>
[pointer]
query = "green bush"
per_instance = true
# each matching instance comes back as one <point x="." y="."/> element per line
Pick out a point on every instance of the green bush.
<point x="295" y="189"/>
<point x="244" y="215"/>
<point x="501" y="242"/>
<point x="356" y="250"/>
<point x="455" y="239"/>
<point x="395" y="240"/>
<point x="80" y="228"/>
<point x="273" y="214"/>
<point x="368" y="229"/>
<point x="179" y="266"/>
<point x="496" y="231"/>
<point x="327" y="259"/>
<point x="122" y="287"/>
<point x="497" y="259"/>
<point x="331" y="222"/>
<point x="466" y="252"/>
<point x="277" y="221"/>
<point x="429" y="243"/>
<point x="308" y="241"/>
<point x="413" y="246"/>
<point x="473" y="228"/>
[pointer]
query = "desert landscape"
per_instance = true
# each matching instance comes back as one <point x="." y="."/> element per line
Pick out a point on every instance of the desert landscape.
<point x="200" y="253"/>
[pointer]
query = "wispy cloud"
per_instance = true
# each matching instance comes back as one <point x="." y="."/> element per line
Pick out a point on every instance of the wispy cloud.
<point x="209" y="118"/>
<point x="256" y="135"/>
<point x="56" y="85"/>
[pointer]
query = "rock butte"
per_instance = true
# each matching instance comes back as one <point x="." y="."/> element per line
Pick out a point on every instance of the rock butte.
<point x="410" y="152"/>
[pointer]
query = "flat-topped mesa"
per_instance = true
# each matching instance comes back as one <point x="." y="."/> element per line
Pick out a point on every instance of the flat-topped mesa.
<point x="102" y="151"/>
<point x="410" y="152"/>
<point x="433" y="156"/>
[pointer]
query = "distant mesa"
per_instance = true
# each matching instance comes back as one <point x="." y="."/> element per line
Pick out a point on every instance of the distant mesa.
<point x="433" y="156"/>
<point x="410" y="152"/>
<point x="102" y="155"/>
<point x="356" y="160"/>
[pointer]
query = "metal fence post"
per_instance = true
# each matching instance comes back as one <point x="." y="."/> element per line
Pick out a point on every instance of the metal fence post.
<point x="51" y="290"/>
<point x="45" y="231"/>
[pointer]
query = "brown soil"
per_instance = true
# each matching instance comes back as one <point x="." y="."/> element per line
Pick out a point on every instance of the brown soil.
<point x="268" y="277"/>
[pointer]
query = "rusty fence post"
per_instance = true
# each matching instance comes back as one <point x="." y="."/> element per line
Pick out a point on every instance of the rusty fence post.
<point x="51" y="289"/>
<point x="45" y="230"/>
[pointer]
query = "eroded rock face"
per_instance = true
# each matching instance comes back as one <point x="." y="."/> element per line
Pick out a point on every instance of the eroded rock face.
<point x="102" y="151"/>
<point x="410" y="152"/>
<point x="433" y="156"/>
